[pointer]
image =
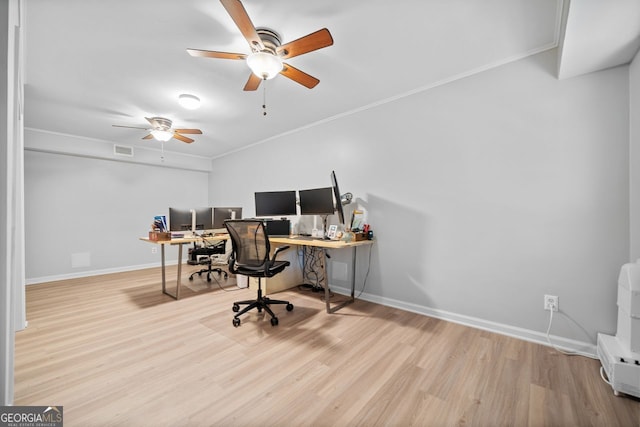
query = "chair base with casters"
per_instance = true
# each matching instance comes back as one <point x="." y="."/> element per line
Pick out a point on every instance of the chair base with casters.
<point x="210" y="269"/>
<point x="260" y="303"/>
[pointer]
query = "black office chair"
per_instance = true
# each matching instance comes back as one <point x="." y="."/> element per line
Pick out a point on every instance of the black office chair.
<point x="250" y="257"/>
<point x="208" y="250"/>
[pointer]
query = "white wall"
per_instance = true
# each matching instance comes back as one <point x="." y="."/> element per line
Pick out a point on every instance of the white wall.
<point x="484" y="195"/>
<point x="84" y="215"/>
<point x="634" y="155"/>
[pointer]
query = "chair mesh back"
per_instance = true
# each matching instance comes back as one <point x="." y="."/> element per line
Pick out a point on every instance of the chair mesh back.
<point x="250" y="242"/>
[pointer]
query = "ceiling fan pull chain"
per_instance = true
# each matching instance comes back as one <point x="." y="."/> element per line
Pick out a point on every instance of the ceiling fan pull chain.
<point x="162" y="151"/>
<point x="264" y="97"/>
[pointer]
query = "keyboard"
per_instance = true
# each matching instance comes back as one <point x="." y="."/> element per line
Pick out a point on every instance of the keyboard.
<point x="306" y="238"/>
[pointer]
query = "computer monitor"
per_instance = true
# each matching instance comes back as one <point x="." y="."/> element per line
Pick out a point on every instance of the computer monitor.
<point x="220" y="215"/>
<point x="275" y="203"/>
<point x="338" y="197"/>
<point x="317" y="201"/>
<point x="198" y="219"/>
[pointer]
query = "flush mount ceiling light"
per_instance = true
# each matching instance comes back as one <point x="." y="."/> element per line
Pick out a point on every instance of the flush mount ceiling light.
<point x="190" y="102"/>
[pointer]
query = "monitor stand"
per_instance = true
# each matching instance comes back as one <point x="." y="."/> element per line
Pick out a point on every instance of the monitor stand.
<point x="315" y="232"/>
<point x="193" y="223"/>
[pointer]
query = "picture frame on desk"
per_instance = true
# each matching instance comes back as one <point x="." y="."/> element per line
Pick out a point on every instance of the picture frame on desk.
<point x="333" y="230"/>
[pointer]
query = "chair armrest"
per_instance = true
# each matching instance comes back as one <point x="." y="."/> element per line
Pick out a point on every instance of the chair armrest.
<point x="278" y="250"/>
<point x="232" y="265"/>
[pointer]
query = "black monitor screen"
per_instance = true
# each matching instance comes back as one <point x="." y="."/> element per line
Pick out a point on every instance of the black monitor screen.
<point x="275" y="203"/>
<point x="318" y="201"/>
<point x="336" y="194"/>
<point x="220" y="215"/>
<point x="180" y="219"/>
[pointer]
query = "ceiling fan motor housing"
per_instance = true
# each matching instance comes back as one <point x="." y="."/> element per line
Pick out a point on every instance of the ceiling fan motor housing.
<point x="163" y="124"/>
<point x="270" y="39"/>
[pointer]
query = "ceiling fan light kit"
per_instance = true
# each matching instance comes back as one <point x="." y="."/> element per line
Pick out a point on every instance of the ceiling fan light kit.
<point x="162" y="135"/>
<point x="265" y="65"/>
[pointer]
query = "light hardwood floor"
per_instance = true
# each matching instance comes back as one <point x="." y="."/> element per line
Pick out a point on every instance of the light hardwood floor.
<point x="114" y="351"/>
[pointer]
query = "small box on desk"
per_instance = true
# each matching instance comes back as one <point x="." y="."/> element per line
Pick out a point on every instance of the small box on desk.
<point x="360" y="236"/>
<point x="159" y="236"/>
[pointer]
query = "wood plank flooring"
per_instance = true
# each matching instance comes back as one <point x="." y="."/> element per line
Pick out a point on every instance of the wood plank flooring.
<point x="114" y="351"/>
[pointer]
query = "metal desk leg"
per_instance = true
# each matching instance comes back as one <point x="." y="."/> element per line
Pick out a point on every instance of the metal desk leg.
<point x="326" y="280"/>
<point x="353" y="273"/>
<point x="164" y="280"/>
<point x="179" y="277"/>
<point x="353" y="285"/>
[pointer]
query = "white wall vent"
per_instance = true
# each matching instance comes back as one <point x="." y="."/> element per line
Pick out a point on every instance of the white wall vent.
<point x="122" y="150"/>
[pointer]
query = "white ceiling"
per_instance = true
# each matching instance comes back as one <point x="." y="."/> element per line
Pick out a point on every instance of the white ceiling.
<point x="94" y="63"/>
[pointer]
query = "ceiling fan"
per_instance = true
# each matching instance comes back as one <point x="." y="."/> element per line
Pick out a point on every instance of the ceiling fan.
<point x="267" y="52"/>
<point x="161" y="130"/>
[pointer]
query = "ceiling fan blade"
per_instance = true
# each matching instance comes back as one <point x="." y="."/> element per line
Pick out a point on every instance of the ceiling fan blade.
<point x="243" y="22"/>
<point x="253" y="82"/>
<point x="309" y="43"/>
<point x="130" y="127"/>
<point x="299" y="76"/>
<point x="214" y="54"/>
<point x="148" y="137"/>
<point x="182" y="138"/>
<point x="198" y="131"/>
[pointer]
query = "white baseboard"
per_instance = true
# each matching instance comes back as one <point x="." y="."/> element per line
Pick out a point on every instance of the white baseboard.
<point x="565" y="344"/>
<point x="80" y="274"/>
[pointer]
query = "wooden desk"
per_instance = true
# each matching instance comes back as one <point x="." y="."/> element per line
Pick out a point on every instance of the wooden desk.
<point x="324" y="245"/>
<point x="180" y="242"/>
<point x="320" y="244"/>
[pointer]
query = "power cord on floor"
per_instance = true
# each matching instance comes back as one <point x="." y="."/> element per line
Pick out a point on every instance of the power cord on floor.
<point x="366" y="276"/>
<point x="227" y="290"/>
<point x="568" y="353"/>
<point x="552" y="308"/>
<point x="215" y="279"/>
<point x="602" y="375"/>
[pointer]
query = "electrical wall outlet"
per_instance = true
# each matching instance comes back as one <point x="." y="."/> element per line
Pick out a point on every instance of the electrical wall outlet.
<point x="154" y="250"/>
<point x="551" y="302"/>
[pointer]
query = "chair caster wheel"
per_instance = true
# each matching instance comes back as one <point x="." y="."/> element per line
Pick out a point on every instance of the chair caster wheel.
<point x="236" y="308"/>
<point x="274" y="321"/>
<point x="236" y="322"/>
<point x="208" y="279"/>
<point x="190" y="277"/>
<point x="289" y="307"/>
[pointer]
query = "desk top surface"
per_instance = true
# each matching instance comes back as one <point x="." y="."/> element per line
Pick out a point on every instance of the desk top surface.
<point x="320" y="243"/>
<point x="291" y="240"/>
<point x="187" y="239"/>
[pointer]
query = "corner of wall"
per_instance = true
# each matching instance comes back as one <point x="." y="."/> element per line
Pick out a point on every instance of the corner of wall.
<point x="634" y="157"/>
